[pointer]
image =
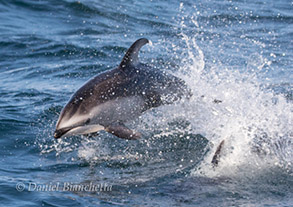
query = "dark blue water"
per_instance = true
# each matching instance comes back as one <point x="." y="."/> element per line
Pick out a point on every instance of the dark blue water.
<point x="239" y="52"/>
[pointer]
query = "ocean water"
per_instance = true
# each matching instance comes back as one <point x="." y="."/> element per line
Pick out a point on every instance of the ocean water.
<point x="237" y="52"/>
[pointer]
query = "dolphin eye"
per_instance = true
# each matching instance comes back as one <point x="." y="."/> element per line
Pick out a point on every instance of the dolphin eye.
<point x="87" y="121"/>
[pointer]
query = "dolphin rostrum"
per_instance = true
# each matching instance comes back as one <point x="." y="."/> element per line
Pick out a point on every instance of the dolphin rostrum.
<point x="114" y="97"/>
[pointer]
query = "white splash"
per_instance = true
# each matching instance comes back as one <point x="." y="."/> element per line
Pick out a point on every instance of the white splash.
<point x="255" y="123"/>
<point x="230" y="105"/>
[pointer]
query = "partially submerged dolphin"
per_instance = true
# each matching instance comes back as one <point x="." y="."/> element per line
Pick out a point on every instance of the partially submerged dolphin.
<point x="114" y="97"/>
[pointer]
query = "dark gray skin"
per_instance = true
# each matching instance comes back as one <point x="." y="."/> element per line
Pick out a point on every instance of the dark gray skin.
<point x="114" y="97"/>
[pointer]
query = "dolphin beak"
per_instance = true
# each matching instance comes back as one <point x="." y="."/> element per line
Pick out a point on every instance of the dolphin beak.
<point x="57" y="134"/>
<point x="60" y="132"/>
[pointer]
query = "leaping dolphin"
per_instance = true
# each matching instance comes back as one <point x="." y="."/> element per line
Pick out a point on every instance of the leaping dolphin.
<point x="114" y="97"/>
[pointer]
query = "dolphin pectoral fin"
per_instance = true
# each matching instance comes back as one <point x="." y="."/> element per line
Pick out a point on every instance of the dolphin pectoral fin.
<point x="217" y="155"/>
<point x="122" y="132"/>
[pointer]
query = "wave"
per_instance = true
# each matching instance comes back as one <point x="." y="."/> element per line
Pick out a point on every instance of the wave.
<point x="225" y="18"/>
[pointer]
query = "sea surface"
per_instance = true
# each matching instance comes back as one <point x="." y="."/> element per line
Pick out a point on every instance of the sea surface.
<point x="235" y="56"/>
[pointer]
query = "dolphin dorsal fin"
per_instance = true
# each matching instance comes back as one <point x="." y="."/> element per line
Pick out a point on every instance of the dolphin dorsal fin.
<point x="131" y="56"/>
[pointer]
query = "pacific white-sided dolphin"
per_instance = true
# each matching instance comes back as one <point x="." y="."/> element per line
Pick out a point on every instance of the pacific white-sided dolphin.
<point x="114" y="97"/>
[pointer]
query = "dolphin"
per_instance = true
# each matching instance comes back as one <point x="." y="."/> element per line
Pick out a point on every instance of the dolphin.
<point x="114" y="97"/>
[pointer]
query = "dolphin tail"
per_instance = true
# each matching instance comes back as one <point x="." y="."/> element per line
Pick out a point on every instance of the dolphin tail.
<point x="131" y="56"/>
<point x="217" y="155"/>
